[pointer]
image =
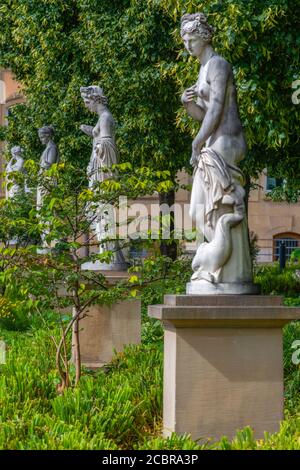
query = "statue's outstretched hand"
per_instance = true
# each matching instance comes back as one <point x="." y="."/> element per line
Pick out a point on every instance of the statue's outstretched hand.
<point x="87" y="129"/>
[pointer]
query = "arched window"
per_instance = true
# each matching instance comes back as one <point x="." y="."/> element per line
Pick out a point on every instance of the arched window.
<point x="291" y="241"/>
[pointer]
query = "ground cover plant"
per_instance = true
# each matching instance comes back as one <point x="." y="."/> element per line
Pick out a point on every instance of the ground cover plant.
<point x="119" y="407"/>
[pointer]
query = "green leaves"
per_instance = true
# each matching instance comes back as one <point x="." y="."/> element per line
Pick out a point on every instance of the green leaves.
<point x="55" y="49"/>
<point x="258" y="38"/>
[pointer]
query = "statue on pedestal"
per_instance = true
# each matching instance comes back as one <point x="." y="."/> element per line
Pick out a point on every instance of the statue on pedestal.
<point x="222" y="263"/>
<point x="15" y="164"/>
<point x="49" y="157"/>
<point x="104" y="155"/>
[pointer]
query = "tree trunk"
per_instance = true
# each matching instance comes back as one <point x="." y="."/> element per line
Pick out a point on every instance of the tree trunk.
<point x="168" y="247"/>
<point x="86" y="251"/>
<point x="247" y="190"/>
<point x="76" y="346"/>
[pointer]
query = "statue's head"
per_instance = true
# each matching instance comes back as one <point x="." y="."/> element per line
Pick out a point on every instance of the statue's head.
<point x="92" y="96"/>
<point x="196" y="32"/>
<point x="46" y="133"/>
<point x="16" y="151"/>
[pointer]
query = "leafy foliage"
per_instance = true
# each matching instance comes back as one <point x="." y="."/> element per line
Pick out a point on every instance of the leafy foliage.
<point x="260" y="39"/>
<point x="133" y="49"/>
<point x="273" y="282"/>
<point x="119" y="408"/>
<point x="55" y="48"/>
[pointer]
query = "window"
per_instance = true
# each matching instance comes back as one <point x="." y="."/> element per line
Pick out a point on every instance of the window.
<point x="272" y="183"/>
<point x="291" y="241"/>
<point x="137" y="253"/>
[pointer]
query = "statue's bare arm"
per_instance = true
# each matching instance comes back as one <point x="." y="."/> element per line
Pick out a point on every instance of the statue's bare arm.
<point x="88" y="130"/>
<point x="218" y="75"/>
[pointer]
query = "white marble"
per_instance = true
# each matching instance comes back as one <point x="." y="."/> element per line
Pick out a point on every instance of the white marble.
<point x="104" y="155"/>
<point x="49" y="157"/>
<point x="216" y="152"/>
<point x="15" y="164"/>
<point x="232" y="288"/>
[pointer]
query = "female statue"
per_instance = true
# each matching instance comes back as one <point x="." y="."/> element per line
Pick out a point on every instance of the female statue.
<point x="217" y="199"/>
<point x="104" y="155"/>
<point x="48" y="158"/>
<point x="15" y="164"/>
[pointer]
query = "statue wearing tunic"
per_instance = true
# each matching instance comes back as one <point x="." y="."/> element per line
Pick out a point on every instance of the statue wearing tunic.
<point x="222" y="263"/>
<point x="49" y="157"/>
<point x="15" y="164"/>
<point x="104" y="155"/>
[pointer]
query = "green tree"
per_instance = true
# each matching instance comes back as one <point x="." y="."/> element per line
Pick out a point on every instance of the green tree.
<point x="260" y="38"/>
<point x="55" y="47"/>
<point x="55" y="278"/>
<point x="133" y="49"/>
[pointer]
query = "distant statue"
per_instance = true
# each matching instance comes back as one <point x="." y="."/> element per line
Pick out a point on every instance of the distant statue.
<point x="49" y="156"/>
<point x="104" y="155"/>
<point x="15" y="164"/>
<point x="217" y="199"/>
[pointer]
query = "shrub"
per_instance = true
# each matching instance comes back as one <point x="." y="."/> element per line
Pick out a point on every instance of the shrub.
<point x="274" y="282"/>
<point x="119" y="407"/>
<point x="13" y="315"/>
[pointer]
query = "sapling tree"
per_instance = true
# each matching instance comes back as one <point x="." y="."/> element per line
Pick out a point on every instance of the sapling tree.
<point x="51" y="270"/>
<point x="17" y="228"/>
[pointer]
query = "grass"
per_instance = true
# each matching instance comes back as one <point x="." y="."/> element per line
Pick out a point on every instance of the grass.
<point x="119" y="408"/>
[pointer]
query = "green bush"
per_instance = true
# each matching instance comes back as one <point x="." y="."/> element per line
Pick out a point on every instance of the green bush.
<point x="295" y="256"/>
<point x="292" y="371"/>
<point x="14" y="315"/>
<point x="109" y="409"/>
<point x="274" y="282"/>
<point x="119" y="407"/>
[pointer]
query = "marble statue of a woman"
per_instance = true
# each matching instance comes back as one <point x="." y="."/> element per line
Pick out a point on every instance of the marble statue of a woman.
<point x="222" y="263"/>
<point x="104" y="155"/>
<point x="49" y="156"/>
<point x="15" y="164"/>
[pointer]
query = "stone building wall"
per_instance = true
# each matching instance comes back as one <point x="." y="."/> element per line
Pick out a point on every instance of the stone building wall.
<point x="10" y="94"/>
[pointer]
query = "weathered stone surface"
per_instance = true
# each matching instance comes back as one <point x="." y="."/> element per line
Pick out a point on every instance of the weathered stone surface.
<point x="49" y="157"/>
<point x="222" y="300"/>
<point x="15" y="164"/>
<point x="104" y="155"/>
<point x="223" y="363"/>
<point x="106" y="329"/>
<point x="217" y="199"/>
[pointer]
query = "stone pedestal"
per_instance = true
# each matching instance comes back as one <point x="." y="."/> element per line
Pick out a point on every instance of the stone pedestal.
<point x="106" y="329"/>
<point x="223" y="363"/>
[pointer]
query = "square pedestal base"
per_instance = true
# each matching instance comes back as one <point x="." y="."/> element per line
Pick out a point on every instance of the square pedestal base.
<point x="223" y="364"/>
<point x="108" y="329"/>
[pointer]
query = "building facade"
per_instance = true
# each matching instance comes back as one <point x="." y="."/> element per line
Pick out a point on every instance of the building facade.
<point x="10" y="95"/>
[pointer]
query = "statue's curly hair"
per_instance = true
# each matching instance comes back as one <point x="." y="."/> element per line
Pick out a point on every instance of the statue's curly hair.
<point x="16" y="148"/>
<point x="197" y="24"/>
<point x="49" y="130"/>
<point x="94" y="93"/>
